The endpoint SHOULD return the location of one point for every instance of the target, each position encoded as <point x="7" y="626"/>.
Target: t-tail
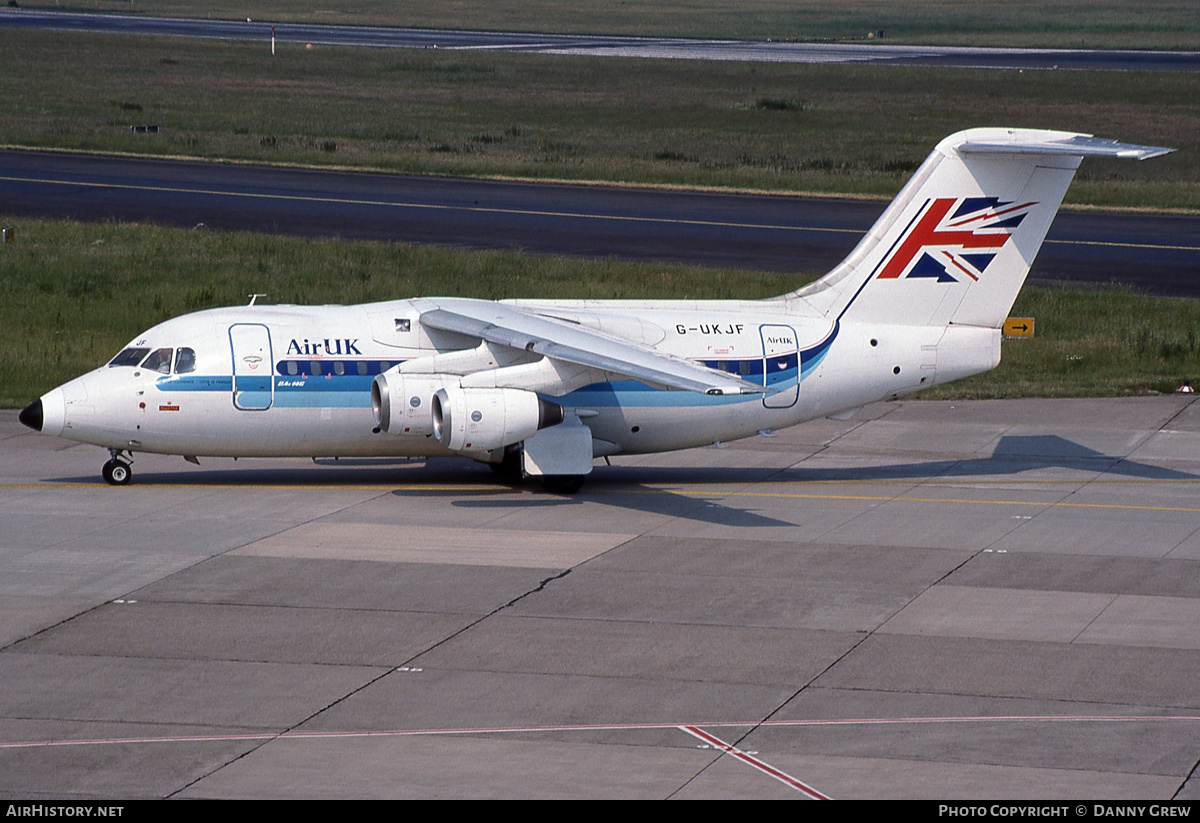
<point x="955" y="245"/>
<point x="951" y="252"/>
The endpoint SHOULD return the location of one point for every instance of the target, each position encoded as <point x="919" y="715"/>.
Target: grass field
<point x="1153" y="24"/>
<point x="74" y="294"/>
<point x="847" y="129"/>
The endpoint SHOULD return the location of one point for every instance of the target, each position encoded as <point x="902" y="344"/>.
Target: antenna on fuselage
<point x="255" y="296"/>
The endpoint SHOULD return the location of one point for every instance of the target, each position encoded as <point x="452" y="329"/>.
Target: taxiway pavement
<point x="663" y="48"/>
<point x="993" y="599"/>
<point x="1159" y="254"/>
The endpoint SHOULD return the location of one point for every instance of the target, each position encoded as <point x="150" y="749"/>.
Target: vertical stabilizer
<point x="956" y="244"/>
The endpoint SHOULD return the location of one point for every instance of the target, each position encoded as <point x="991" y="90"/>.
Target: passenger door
<point x="253" y="366"/>
<point x="781" y="366"/>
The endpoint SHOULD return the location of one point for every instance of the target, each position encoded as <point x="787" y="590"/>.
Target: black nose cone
<point x="31" y="415"/>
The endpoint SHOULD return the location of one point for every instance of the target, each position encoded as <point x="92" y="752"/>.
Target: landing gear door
<point x="781" y="366"/>
<point x="253" y="379"/>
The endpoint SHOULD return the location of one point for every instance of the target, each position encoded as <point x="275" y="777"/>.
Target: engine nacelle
<point x="480" y="420"/>
<point x="403" y="403"/>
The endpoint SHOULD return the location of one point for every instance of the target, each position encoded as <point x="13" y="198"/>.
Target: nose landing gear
<point x="116" y="471"/>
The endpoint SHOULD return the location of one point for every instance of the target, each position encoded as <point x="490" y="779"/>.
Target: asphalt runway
<point x="947" y="600"/>
<point x="1155" y="253"/>
<point x="611" y="46"/>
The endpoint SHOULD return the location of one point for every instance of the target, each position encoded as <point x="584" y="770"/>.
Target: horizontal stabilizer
<point x="1079" y="145"/>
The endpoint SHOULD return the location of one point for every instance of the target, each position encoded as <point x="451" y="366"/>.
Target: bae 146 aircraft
<point x="542" y="388"/>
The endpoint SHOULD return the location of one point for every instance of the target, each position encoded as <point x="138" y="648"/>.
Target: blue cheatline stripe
<point x="323" y="384"/>
<point x="354" y="390"/>
<point x="254" y="384"/>
<point x="330" y="391"/>
<point x="631" y="393"/>
<point x="811" y="358"/>
<point x="751" y="370"/>
<point x="325" y="391"/>
<point x="323" y="400"/>
<point x="195" y="382"/>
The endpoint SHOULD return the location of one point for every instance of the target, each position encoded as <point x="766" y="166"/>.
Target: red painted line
<point x="894" y="721"/>
<point x="959" y="266"/>
<point x="993" y="215"/>
<point x="764" y="767"/>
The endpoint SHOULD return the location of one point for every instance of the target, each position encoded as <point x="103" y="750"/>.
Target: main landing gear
<point x="509" y="470"/>
<point x="562" y="483"/>
<point x="116" y="471"/>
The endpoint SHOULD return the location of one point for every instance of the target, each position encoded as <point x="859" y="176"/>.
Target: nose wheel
<point x="117" y="472"/>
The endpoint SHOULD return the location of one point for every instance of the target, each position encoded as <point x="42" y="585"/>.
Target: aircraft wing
<point x="560" y="340"/>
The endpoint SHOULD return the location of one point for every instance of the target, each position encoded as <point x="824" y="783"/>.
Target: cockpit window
<point x="129" y="357"/>
<point x="185" y="360"/>
<point x="159" y="361"/>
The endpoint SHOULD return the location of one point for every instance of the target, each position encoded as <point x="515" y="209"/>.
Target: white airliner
<point x="542" y="388"/>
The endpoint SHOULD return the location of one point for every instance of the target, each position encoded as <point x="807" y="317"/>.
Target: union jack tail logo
<point x="954" y="238"/>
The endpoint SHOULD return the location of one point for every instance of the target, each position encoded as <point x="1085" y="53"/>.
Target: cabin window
<point x="384" y="366"/>
<point x="129" y="357"/>
<point x="339" y="367"/>
<point x="361" y="366"/>
<point x="159" y="361"/>
<point x="315" y="366"/>
<point x="185" y="360"/>
<point x="292" y="367"/>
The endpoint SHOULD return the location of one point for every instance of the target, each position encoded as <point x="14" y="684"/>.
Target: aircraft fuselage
<point x="296" y="381"/>
<point x="544" y="387"/>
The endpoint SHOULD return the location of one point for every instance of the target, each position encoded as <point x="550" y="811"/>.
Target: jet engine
<point x="480" y="420"/>
<point x="468" y="420"/>
<point x="402" y="403"/>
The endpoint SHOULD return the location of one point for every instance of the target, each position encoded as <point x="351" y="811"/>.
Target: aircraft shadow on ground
<point x="1013" y="455"/>
<point x="621" y="492"/>
<point x="640" y="488"/>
